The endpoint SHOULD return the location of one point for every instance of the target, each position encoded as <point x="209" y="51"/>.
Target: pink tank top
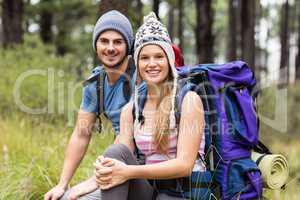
<point x="145" y="144"/>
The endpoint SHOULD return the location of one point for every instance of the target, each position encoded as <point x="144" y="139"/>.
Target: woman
<point x="171" y="150"/>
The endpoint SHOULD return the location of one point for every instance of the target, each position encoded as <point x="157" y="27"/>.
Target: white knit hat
<point x="154" y="32"/>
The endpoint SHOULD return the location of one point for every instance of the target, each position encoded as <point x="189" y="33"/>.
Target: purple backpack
<point x="228" y="93"/>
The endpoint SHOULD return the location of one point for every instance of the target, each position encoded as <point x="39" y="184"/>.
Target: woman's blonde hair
<point x="162" y="125"/>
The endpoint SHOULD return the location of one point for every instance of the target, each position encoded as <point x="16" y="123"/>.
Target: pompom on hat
<point x="152" y="31"/>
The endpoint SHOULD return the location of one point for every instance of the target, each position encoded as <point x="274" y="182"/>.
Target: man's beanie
<point x="114" y="20"/>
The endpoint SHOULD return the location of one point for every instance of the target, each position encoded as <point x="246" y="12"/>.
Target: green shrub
<point x="32" y="77"/>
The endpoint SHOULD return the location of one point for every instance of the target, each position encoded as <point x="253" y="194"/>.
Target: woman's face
<point x="153" y="64"/>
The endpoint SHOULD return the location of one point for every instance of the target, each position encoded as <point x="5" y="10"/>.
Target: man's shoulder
<point x="95" y="72"/>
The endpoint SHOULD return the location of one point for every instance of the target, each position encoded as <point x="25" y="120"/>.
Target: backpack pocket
<point x="241" y="114"/>
<point x="202" y="186"/>
<point x="243" y="180"/>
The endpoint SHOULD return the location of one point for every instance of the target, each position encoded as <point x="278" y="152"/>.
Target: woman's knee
<point x="117" y="151"/>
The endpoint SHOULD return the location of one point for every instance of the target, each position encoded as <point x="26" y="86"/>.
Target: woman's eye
<point x="144" y="58"/>
<point x="159" y="56"/>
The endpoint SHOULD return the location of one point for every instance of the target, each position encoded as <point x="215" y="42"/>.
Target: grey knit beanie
<point x="114" y="20"/>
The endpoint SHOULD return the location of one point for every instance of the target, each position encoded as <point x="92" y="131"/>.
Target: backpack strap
<point x="182" y="91"/>
<point x="261" y="148"/>
<point x="90" y="80"/>
<point x="100" y="98"/>
<point x="141" y="104"/>
<point x="99" y="78"/>
<point x="127" y="90"/>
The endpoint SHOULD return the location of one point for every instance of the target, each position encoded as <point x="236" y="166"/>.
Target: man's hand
<point x="55" y="193"/>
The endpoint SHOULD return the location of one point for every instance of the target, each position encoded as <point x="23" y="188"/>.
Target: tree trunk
<point x="156" y="7"/>
<point x="297" y="67"/>
<point x="284" y="40"/>
<point x="203" y="31"/>
<point x="181" y="24"/>
<point x="171" y="22"/>
<point x="232" y="30"/>
<point x="46" y="21"/>
<point x="247" y="32"/>
<point x="1" y="33"/>
<point x="12" y="19"/>
<point x="61" y="46"/>
<point x="139" y="12"/>
<point x="26" y="22"/>
<point x="107" y="5"/>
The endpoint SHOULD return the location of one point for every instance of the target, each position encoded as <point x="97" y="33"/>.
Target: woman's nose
<point x="152" y="61"/>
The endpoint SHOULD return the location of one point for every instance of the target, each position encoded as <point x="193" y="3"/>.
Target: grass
<point x="32" y="156"/>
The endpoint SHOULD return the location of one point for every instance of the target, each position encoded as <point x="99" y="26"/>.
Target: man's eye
<point x="118" y="42"/>
<point x="104" y="41"/>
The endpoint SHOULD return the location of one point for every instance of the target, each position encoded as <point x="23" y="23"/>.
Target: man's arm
<point x="74" y="153"/>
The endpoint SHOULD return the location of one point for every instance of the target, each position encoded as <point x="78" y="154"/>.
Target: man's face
<point x="111" y="48"/>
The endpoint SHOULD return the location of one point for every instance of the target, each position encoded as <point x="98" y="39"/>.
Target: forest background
<point x="46" y="53"/>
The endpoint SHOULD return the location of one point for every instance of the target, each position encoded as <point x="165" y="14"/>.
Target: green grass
<point x="32" y="156"/>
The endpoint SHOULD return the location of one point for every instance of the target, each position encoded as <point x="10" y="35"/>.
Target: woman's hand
<point x="110" y="172"/>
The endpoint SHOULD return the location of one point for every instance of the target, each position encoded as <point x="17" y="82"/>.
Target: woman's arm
<point x="190" y="134"/>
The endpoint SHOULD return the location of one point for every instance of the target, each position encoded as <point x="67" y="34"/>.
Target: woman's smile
<point x="153" y="72"/>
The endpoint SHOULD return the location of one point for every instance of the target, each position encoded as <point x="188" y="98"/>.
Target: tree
<point x="298" y="46"/>
<point x="106" y="5"/>
<point x="135" y="13"/>
<point x="232" y="42"/>
<point x="284" y="40"/>
<point x="203" y="31"/>
<point x="12" y="20"/>
<point x="181" y="24"/>
<point x="171" y="20"/>
<point x="247" y="32"/>
<point x="139" y="12"/>
<point x="46" y="21"/>
<point x="156" y="7"/>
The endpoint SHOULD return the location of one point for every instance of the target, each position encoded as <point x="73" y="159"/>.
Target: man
<point x="112" y="41"/>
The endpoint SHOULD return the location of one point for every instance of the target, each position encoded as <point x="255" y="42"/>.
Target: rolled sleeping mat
<point x="274" y="169"/>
